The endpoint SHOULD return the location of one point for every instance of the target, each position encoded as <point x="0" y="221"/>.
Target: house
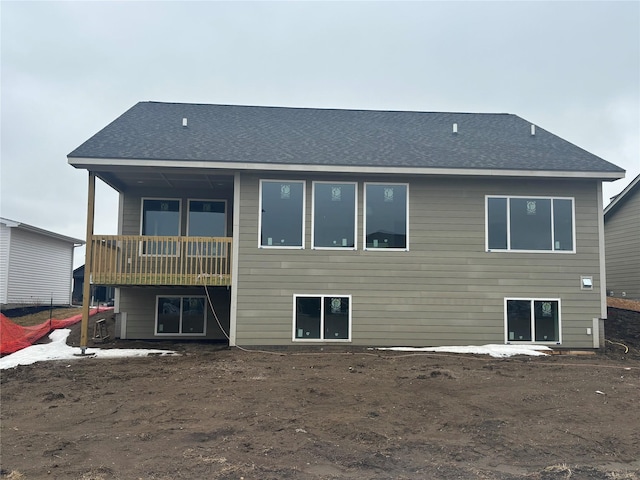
<point x="302" y="226"/>
<point x="99" y="294"/>
<point x="35" y="265"/>
<point x="622" y="242"/>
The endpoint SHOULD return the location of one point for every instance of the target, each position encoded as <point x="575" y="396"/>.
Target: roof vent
<point x="533" y="130"/>
<point x="455" y="128"/>
<point x="184" y="122"/>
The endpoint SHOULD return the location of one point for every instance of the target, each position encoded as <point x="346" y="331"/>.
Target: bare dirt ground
<point x="218" y="413"/>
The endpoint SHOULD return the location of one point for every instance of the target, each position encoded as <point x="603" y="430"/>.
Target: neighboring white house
<point x="36" y="265"/>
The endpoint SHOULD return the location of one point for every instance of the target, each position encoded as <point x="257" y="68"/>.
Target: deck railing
<point x="146" y="260"/>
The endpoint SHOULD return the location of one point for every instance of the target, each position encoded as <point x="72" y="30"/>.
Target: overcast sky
<point x="70" y="68"/>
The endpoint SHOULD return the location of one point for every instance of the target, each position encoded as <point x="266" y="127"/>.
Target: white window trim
<point x="223" y="200"/>
<point x="364" y="219"/>
<point x="304" y="213"/>
<point x="141" y="253"/>
<point x="180" y="334"/>
<point x="225" y="222"/>
<point x="509" y="249"/>
<point x="322" y="297"/>
<point x="313" y="215"/>
<point x="179" y="200"/>
<point x="532" y="325"/>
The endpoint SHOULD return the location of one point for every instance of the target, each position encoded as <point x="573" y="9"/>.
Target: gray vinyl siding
<point x="140" y="305"/>
<point x="40" y="269"/>
<point x="446" y="290"/>
<point x="622" y="244"/>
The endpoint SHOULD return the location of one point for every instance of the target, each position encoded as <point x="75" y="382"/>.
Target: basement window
<point x="532" y="320"/>
<point x="322" y="318"/>
<point x="178" y="315"/>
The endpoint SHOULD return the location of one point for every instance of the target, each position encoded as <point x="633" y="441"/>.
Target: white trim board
<point x="91" y="163"/>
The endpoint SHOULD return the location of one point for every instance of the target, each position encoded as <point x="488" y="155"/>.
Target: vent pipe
<point x="455" y="128"/>
<point x="533" y="130"/>
<point x="184" y="122"/>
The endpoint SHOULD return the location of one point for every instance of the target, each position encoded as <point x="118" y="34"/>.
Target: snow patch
<point x="59" y="350"/>
<point x="494" y="350"/>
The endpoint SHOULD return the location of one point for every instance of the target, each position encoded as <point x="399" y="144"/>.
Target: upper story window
<point x="334" y="215"/>
<point x="534" y="224"/>
<point x="282" y="213"/>
<point x="160" y="217"/>
<point x="386" y="219"/>
<point x="207" y="218"/>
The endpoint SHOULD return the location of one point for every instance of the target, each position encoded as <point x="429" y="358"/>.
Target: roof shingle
<point x="362" y="138"/>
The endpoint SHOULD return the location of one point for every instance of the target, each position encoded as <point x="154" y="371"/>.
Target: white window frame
<point x="533" y="320"/>
<point x="179" y="200"/>
<point x="364" y="219"/>
<point x="180" y="334"/>
<point x="533" y="197"/>
<point x="141" y="252"/>
<point x="313" y="215"/>
<point x="223" y="200"/>
<point x="321" y="339"/>
<point x="190" y="254"/>
<point x="304" y="213"/>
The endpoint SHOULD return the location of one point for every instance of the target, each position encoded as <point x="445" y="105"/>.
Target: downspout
<point x="86" y="287"/>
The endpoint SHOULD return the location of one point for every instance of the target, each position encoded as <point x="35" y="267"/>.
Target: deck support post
<point x="86" y="287"/>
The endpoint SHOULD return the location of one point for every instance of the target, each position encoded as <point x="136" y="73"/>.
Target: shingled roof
<point x="326" y="137"/>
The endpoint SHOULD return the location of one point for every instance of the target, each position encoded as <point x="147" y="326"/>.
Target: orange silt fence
<point x="15" y="337"/>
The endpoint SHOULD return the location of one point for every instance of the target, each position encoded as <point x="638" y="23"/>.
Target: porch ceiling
<point x="123" y="179"/>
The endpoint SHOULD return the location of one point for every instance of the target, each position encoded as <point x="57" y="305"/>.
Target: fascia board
<point x="92" y="163"/>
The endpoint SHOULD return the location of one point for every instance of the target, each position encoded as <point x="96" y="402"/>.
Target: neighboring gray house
<point x="35" y="265"/>
<point x="622" y="242"/>
<point x="99" y="294"/>
<point x="311" y="227"/>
